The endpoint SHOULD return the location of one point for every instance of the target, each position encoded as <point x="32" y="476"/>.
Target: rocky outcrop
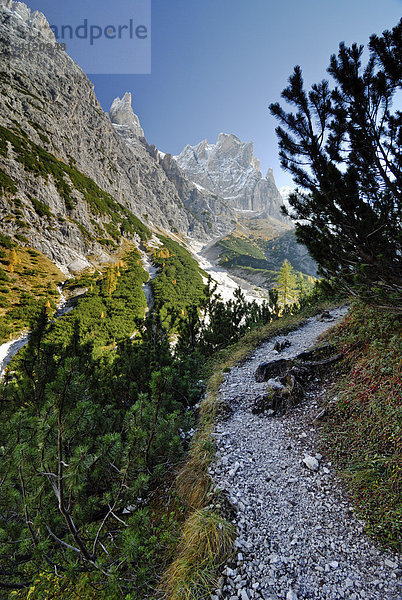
<point x="122" y="115"/>
<point x="208" y="208"/>
<point x="36" y="21"/>
<point x="230" y="169"/>
<point x="220" y="218"/>
<point x="49" y="104"/>
<point x="287" y="378"/>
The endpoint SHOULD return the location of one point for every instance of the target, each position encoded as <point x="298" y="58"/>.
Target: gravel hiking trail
<point x="297" y="535"/>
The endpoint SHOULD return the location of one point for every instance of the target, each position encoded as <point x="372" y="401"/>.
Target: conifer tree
<point x="342" y="146"/>
<point x="13" y="261"/>
<point x="110" y="281"/>
<point x="82" y="440"/>
<point x="286" y="284"/>
<point x="301" y="286"/>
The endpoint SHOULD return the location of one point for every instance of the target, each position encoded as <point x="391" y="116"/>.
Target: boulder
<point x="287" y="379"/>
<point x="280" y="346"/>
<point x="311" y="463"/>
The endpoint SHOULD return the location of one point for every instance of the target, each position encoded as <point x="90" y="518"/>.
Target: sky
<point x="216" y="65"/>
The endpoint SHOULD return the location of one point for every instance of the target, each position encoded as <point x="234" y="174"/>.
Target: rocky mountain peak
<point x="270" y="176"/>
<point x="34" y="19"/>
<point x="230" y="145"/>
<point x="121" y="113"/>
<point x="62" y="147"/>
<point x="228" y="142"/>
<point x="229" y="169"/>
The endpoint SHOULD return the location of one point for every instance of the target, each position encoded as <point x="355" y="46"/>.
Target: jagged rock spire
<point x="121" y="113"/>
<point x="229" y="169"/>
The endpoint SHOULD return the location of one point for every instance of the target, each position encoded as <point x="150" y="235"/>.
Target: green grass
<point x="205" y="545"/>
<point x="256" y="254"/>
<point x="113" y="231"/>
<point x="285" y="246"/>
<point x="7" y="184"/>
<point x="363" y="429"/>
<point x="6" y="241"/>
<point x="238" y="251"/>
<point x="240" y="245"/>
<point x="41" y="208"/>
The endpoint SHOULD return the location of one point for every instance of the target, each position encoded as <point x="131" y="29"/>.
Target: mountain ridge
<point x="43" y="111"/>
<point x="230" y="169"/>
<point x="79" y="183"/>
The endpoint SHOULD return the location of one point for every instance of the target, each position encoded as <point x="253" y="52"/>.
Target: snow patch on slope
<point x="226" y="284"/>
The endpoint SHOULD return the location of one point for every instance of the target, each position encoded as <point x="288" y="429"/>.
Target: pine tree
<point x="301" y="286"/>
<point x="342" y="146"/>
<point x="80" y="440"/>
<point x="286" y="284"/>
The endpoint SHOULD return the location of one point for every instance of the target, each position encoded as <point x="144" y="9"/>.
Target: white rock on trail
<point x="311" y="463"/>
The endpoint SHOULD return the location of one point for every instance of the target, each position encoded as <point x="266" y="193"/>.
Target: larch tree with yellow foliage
<point x="13" y="261"/>
<point x="286" y="284"/>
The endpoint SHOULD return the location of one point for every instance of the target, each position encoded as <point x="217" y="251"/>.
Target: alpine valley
<point x="152" y="438"/>
<point x="80" y="186"/>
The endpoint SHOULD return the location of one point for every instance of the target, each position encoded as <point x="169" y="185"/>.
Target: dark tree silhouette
<point x="342" y="146"/>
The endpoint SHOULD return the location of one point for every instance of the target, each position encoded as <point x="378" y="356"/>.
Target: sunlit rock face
<point x="230" y="169"/>
<point x="121" y="114"/>
<point x="48" y="101"/>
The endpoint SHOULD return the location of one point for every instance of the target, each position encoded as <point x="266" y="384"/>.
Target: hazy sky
<point x="217" y="64"/>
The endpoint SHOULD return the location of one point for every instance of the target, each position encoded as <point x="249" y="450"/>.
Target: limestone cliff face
<point x="122" y="115"/>
<point x="219" y="217"/>
<point x="230" y="169"/>
<point x="54" y="132"/>
<point x="208" y="208"/>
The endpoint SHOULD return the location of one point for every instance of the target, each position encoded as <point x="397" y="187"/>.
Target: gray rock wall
<point x="48" y="98"/>
<point x="230" y="169"/>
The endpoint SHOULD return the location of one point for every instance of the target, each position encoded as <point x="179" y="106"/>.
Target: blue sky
<point x="217" y="64"/>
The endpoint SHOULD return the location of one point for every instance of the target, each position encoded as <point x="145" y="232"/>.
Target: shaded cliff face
<point x="69" y="180"/>
<point x="211" y="209"/>
<point x="230" y="169"/>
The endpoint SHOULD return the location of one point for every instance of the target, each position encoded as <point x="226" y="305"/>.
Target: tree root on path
<point x="287" y="379"/>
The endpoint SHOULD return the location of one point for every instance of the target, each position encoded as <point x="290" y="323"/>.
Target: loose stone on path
<point x="297" y="537"/>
